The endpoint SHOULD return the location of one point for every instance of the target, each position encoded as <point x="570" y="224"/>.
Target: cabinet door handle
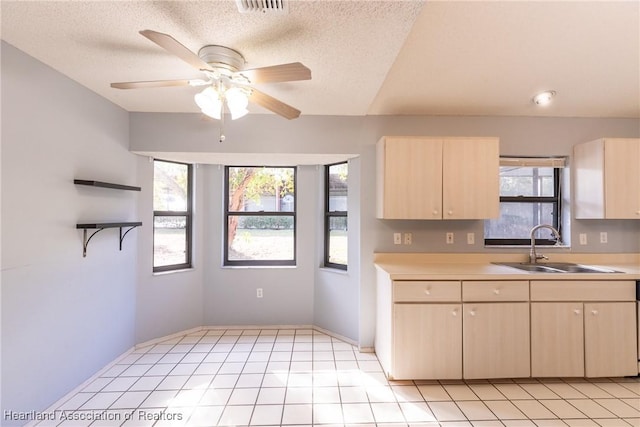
<point x="594" y="312"/>
<point x="427" y="291"/>
<point x="576" y="311"/>
<point x="472" y="313"/>
<point x="435" y="212"/>
<point x="450" y="213"/>
<point x="496" y="291"/>
<point x="454" y="312"/>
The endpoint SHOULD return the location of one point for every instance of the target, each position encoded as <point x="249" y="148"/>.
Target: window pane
<point x="261" y="238"/>
<point x="169" y="240"/>
<point x="523" y="181"/>
<point x="170" y="186"/>
<point x="517" y="219"/>
<point x="261" y="189"/>
<point x="338" y="240"/>
<point x="338" y="187"/>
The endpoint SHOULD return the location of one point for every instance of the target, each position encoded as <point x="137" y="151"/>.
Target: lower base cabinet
<point x="496" y="340"/>
<point x="428" y="341"/>
<point x="557" y="339"/>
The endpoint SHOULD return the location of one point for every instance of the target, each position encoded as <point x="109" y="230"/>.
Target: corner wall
<point x="64" y="317"/>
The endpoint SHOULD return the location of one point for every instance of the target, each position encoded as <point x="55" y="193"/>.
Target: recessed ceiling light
<point x="544" y="98"/>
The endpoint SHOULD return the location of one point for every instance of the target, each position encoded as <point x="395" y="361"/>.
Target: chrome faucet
<point x="533" y="256"/>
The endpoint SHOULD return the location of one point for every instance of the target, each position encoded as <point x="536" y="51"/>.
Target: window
<point x="260" y="216"/>
<point x="530" y="194"/>
<point x="335" y="219"/>
<point x="172" y="184"/>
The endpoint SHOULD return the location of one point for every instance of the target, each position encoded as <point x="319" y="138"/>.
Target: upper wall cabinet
<point x="437" y="178"/>
<point x="607" y="179"/>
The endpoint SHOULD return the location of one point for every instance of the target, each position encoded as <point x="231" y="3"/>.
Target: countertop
<point x="414" y="266"/>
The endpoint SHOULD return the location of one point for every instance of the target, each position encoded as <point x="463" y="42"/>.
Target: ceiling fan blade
<point x="272" y="104"/>
<point x="154" y="83"/>
<point x="278" y="73"/>
<point x="174" y="46"/>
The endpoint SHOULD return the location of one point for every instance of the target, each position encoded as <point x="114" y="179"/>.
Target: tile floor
<point x="304" y="377"/>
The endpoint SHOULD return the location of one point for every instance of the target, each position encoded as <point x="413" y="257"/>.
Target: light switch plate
<point x="449" y="238"/>
<point x="603" y="237"/>
<point x="408" y="238"/>
<point x="397" y="238"/>
<point x="583" y="238"/>
<point x="471" y="238"/>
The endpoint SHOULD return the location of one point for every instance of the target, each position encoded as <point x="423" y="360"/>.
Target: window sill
<point x="258" y="267"/>
<point x="561" y="247"/>
<point x="179" y="270"/>
<point x="334" y="270"/>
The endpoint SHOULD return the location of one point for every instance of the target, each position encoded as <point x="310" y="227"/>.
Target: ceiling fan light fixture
<point x="544" y="98"/>
<point x="209" y="102"/>
<point x="237" y="102"/>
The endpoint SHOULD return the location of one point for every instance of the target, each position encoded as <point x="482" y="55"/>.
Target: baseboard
<point x="155" y="341"/>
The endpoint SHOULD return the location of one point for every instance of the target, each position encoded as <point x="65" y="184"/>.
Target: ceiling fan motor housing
<point x="222" y="57"/>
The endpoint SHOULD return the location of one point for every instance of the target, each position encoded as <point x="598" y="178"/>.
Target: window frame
<point x="555" y="200"/>
<point x="327" y="219"/>
<point x="188" y="214"/>
<point x="259" y="263"/>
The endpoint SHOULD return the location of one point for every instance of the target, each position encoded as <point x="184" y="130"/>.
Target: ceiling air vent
<point x="263" y="6"/>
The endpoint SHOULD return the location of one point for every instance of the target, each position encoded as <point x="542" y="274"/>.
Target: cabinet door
<point x="622" y="178"/>
<point x="610" y="339"/>
<point x="427" y="341"/>
<point x="557" y="339"/>
<point x="496" y="340"/>
<point x="409" y="178"/>
<point x="470" y="176"/>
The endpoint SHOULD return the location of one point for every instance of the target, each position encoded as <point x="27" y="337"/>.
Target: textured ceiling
<point x="366" y="57"/>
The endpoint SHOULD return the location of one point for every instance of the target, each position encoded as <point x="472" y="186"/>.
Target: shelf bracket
<point x="85" y="241"/>
<point x="125" y="233"/>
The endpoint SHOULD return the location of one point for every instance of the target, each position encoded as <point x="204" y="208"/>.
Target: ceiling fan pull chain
<point x="222" y="137"/>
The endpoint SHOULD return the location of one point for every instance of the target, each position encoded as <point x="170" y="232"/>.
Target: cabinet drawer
<point x="495" y="291"/>
<point x="426" y="291"/>
<point x="583" y="290"/>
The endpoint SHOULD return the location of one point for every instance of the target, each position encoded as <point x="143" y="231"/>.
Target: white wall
<point x="167" y="302"/>
<point x="63" y="316"/>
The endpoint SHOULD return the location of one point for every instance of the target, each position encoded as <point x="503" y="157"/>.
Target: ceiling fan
<point x="225" y="80"/>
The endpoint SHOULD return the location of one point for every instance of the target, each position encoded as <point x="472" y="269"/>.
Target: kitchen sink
<point x="556" y="267"/>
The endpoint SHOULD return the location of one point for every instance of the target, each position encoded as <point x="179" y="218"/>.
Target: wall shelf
<point x="101" y="226"/>
<point x="105" y="185"/>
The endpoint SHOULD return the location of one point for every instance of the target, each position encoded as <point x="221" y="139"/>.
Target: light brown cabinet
<point x="583" y="328"/>
<point x="495" y="329"/>
<point x="427" y="341"/>
<point x="607" y="179"/>
<point x="437" y="178"/>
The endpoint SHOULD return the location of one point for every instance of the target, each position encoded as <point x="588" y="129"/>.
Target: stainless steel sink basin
<point x="556" y="267"/>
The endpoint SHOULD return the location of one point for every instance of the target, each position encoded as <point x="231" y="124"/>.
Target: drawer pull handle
<point x="427" y="292"/>
<point x="496" y="291"/>
<point x="454" y="313"/>
<point x="594" y="312"/>
<point x="472" y="313"/>
<point x="576" y="311"/>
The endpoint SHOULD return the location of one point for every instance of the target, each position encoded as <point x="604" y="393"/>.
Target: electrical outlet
<point x="407" y="238"/>
<point x="603" y="237"/>
<point x="259" y="293"/>
<point x="471" y="238"/>
<point x="449" y="238"/>
<point x="397" y="238"/>
<point x="583" y="238"/>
